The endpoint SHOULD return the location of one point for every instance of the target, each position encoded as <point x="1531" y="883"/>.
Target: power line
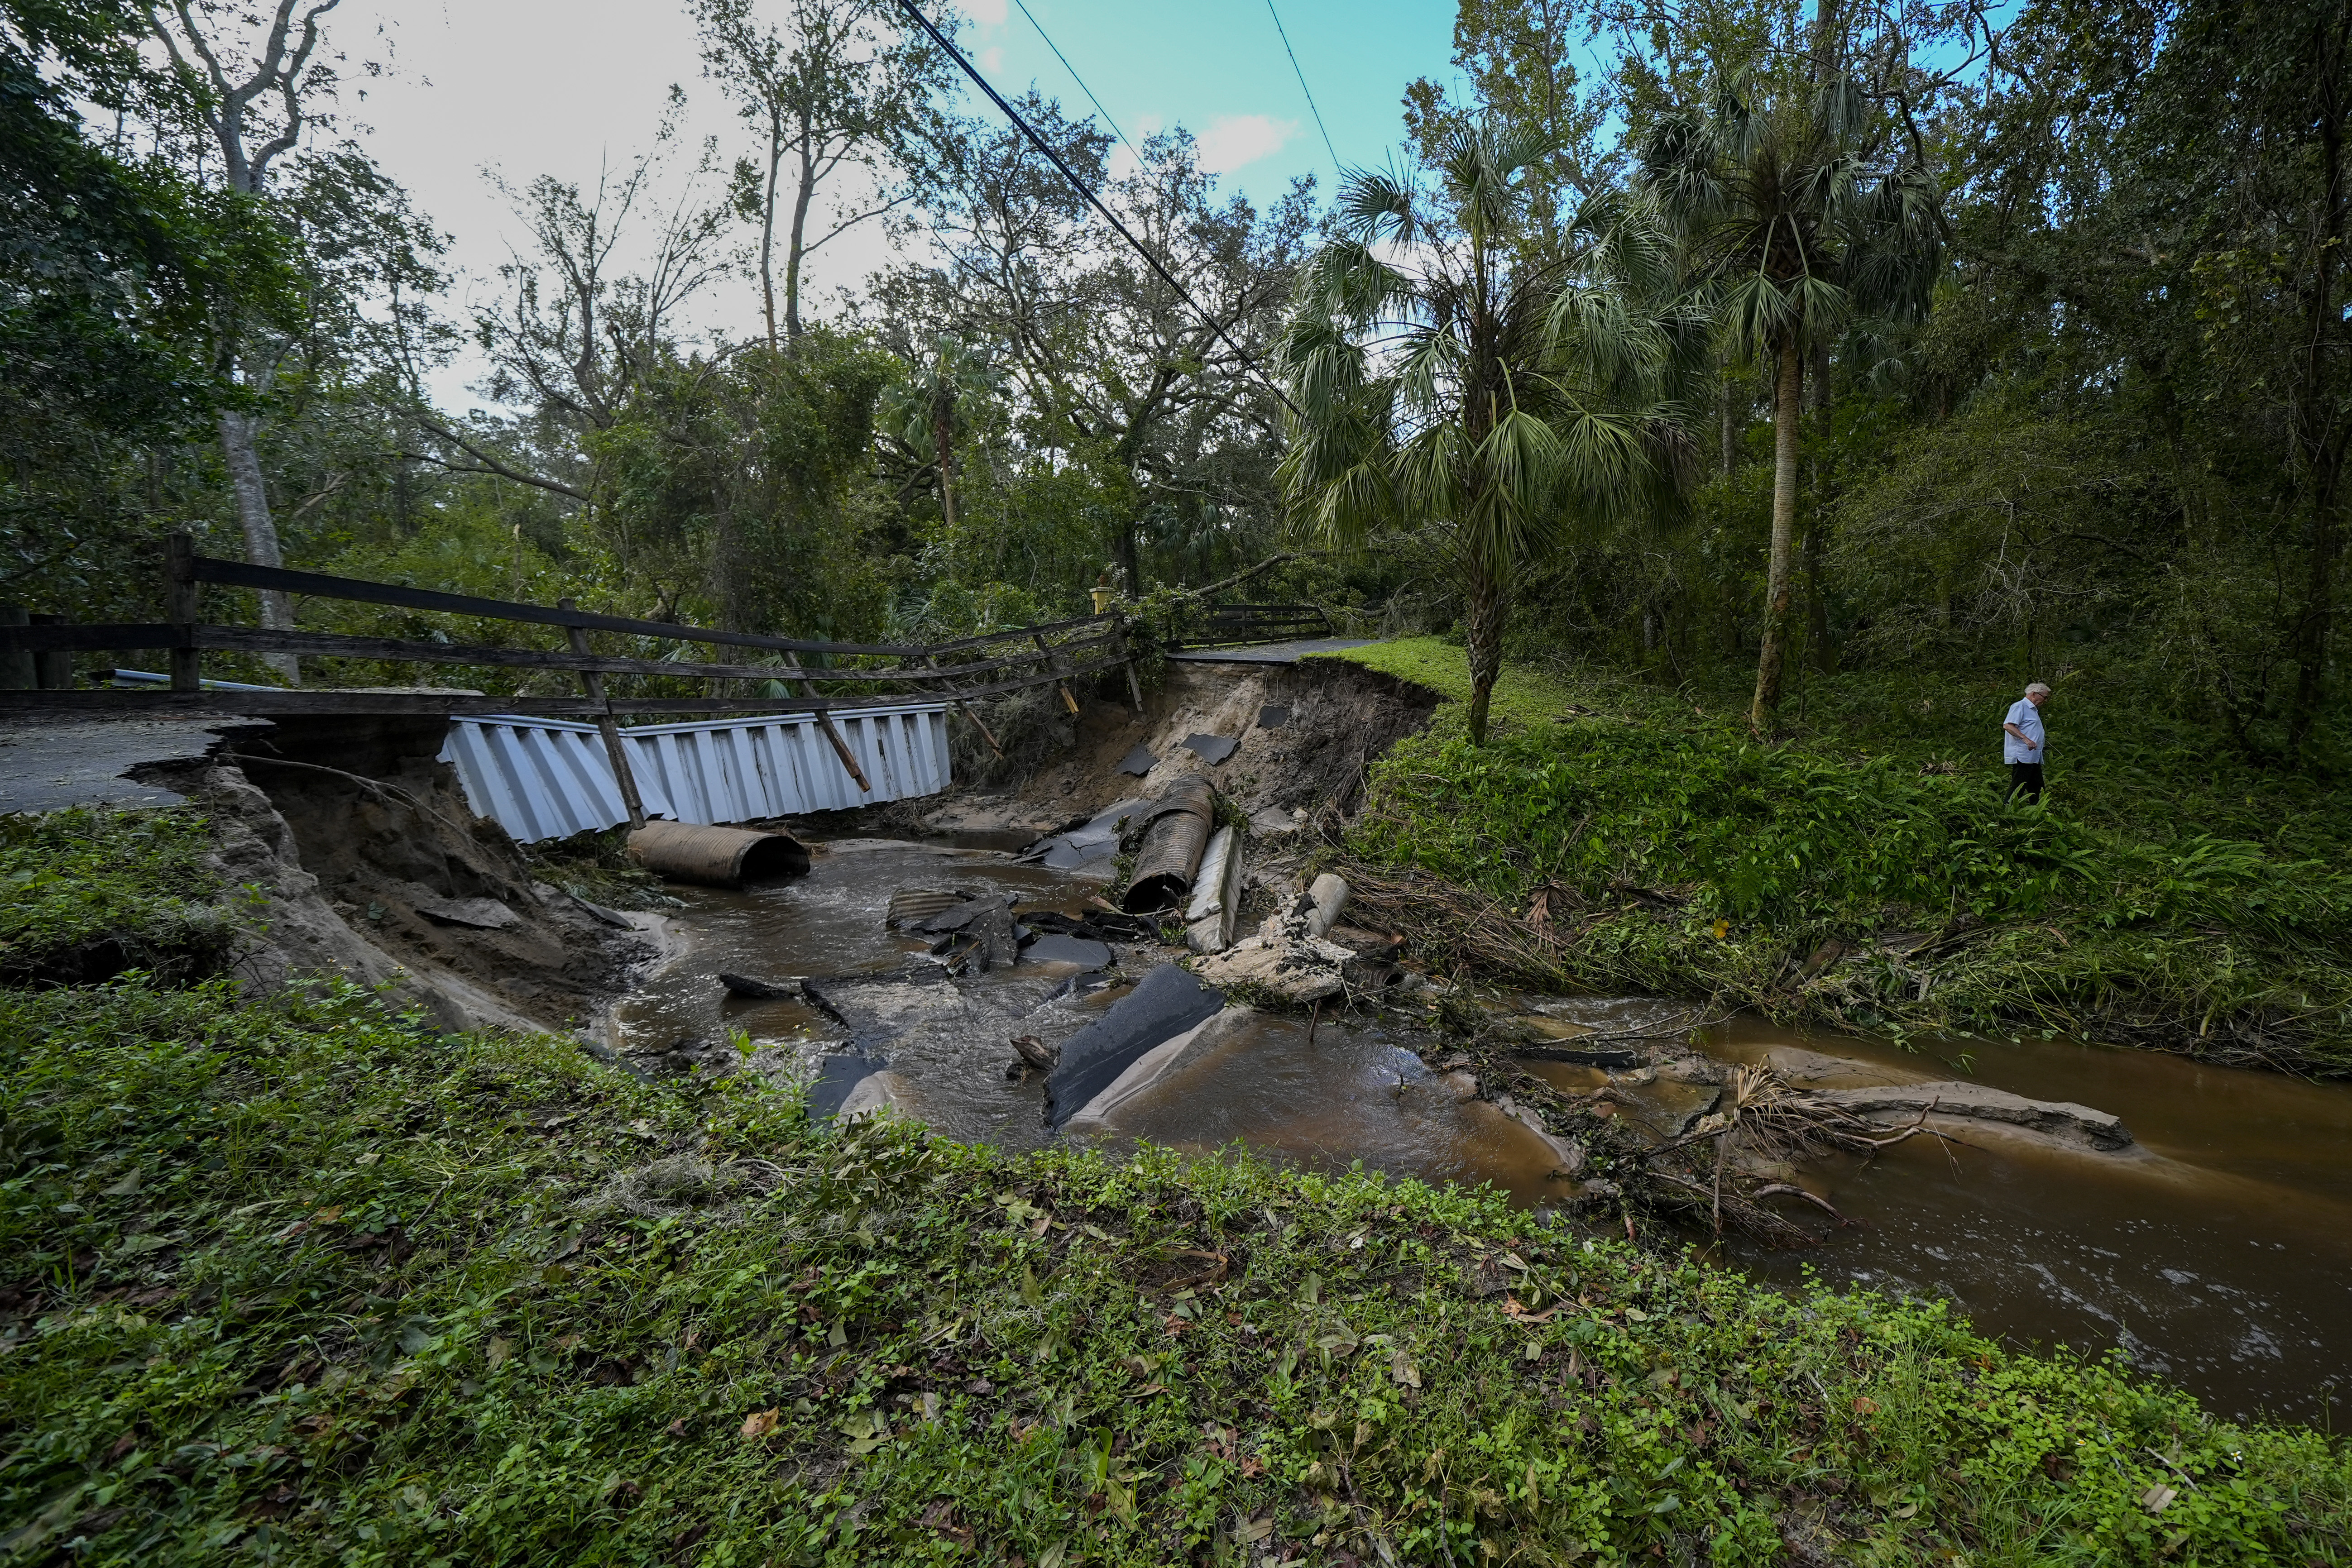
<point x="1075" y="76"/>
<point x="1301" y="75"/>
<point x="1093" y="199"/>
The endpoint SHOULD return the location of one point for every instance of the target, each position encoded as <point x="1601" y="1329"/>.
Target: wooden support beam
<point x="825" y="722"/>
<point x="1054" y="663"/>
<point x="592" y="683"/>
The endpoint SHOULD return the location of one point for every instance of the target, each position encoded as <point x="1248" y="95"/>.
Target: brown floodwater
<point x="2216" y="1252"/>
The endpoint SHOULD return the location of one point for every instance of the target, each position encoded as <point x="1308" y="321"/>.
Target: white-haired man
<point x="2023" y="743"/>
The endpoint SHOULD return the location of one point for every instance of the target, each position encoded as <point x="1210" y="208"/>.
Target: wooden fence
<point x="957" y="671"/>
<point x="1242" y="625"/>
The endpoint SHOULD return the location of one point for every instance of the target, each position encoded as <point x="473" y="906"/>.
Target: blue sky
<point x="1218" y="68"/>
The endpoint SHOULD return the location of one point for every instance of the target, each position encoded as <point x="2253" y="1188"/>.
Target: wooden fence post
<point x="182" y="605"/>
<point x="825" y="722"/>
<point x="593" y="683"/>
<point x="1054" y="666"/>
<point x="965" y="708"/>
<point x="1127" y="662"/>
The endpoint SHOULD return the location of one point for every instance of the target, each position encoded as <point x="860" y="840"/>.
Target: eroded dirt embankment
<point x="1305" y="733"/>
<point x="368" y="865"/>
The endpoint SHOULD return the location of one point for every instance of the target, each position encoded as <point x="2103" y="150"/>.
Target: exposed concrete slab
<point x="52" y="761"/>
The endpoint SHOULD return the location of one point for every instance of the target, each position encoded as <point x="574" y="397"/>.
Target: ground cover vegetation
<point x="1612" y="836"/>
<point x="290" y="1278"/>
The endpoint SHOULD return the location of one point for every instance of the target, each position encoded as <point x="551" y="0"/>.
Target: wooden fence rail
<point x="1058" y="654"/>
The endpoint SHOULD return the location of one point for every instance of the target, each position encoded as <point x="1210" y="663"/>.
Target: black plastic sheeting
<point x="1058" y="950"/>
<point x="1210" y="748"/>
<point x="1082" y="842"/>
<point x="836" y="1077"/>
<point x="1138" y="761"/>
<point x="1167" y="1002"/>
<point x="1176" y="830"/>
<point x="1095" y="925"/>
<point x="1273" y="717"/>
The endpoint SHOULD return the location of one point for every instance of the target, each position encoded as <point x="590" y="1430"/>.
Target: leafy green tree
<point x="841" y="89"/>
<point x="1799" y="215"/>
<point x="1452" y="376"/>
<point x="741" y="489"/>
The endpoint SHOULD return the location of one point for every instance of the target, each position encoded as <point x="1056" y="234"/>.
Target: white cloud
<point x="987" y="13"/>
<point x="991" y="61"/>
<point x="1235" y="140"/>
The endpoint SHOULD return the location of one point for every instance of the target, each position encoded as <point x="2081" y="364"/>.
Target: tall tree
<point x="1492" y="390"/>
<point x="837" y="90"/>
<point x="1104" y="363"/>
<point x="1799" y="214"/>
<point x="924" y="413"/>
<point x="255" y="100"/>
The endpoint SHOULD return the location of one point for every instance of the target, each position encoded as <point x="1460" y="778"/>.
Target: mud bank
<point x="368" y="866"/>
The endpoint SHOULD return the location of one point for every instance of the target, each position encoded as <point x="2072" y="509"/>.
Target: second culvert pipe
<point x="1176" y="830"/>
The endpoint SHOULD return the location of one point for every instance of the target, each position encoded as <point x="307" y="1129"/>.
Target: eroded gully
<point x="2216" y="1251"/>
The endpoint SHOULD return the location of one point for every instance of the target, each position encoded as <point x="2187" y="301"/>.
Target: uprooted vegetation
<point x="1623" y="841"/>
<point x="295" y="1279"/>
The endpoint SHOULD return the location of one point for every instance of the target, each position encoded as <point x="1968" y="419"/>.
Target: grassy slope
<point x="291" y="1280"/>
<point x="2099" y="915"/>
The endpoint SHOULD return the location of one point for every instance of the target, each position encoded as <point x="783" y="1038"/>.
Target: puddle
<point x="2217" y="1251"/>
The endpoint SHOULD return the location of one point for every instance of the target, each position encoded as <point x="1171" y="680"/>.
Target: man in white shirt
<point x="2023" y="743"/>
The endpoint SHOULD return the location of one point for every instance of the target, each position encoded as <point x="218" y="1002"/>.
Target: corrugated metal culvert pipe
<point x="716" y="857"/>
<point x="1176" y="830"/>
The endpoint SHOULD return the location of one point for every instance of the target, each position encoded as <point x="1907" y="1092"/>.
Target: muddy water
<point x="2216" y="1252"/>
<point x="1348" y="1095"/>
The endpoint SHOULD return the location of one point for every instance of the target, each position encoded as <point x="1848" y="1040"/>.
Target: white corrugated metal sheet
<point x="545" y="778"/>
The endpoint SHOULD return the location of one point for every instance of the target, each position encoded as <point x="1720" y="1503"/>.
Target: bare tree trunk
<point x="768" y="231"/>
<point x="1730" y="423"/>
<point x="2319" y="432"/>
<point x="796" y="246"/>
<point x="1817" y="522"/>
<point x="1489" y="603"/>
<point x="944" y="443"/>
<point x="1787" y="411"/>
<point x="236" y="439"/>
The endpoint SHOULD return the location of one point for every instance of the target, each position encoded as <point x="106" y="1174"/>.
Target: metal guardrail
<point x="1055" y="654"/>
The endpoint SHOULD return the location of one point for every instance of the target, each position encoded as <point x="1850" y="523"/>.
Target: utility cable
<point x="1075" y="76"/>
<point x="1093" y="199"/>
<point x="1281" y="33"/>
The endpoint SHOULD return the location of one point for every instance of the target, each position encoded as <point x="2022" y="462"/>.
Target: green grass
<point x="94" y="891"/>
<point x="292" y="1281"/>
<point x="1676" y="854"/>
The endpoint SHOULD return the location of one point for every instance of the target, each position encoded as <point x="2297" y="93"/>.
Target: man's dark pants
<point x="2025" y="779"/>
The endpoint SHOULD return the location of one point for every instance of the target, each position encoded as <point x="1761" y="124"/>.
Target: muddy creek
<point x="2217" y="1249"/>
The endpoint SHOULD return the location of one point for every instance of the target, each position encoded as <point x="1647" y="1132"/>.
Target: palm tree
<point x="1798" y="216"/>
<point x="1453" y="371"/>
<point x="924" y="411"/>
